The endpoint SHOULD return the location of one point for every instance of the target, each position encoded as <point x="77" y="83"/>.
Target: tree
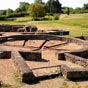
<point x="22" y="7"/>
<point x="78" y="10"/>
<point x="38" y="1"/>
<point x="67" y="10"/>
<point x="9" y="12"/>
<point x="2" y="12"/>
<point x="36" y="10"/>
<point x="53" y="6"/>
<point x="85" y="6"/>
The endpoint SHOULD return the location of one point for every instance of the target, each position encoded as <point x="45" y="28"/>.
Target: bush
<point x="3" y="17"/>
<point x="36" y="10"/>
<point x="15" y="14"/>
<point x="56" y="17"/>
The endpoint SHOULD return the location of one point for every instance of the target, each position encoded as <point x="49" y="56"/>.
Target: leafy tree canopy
<point x="38" y="1"/>
<point x="36" y="10"/>
<point x="22" y="7"/>
<point x="85" y="6"/>
<point x="53" y="6"/>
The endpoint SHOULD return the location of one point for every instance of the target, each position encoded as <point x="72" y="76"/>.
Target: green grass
<point x="8" y="86"/>
<point x="80" y="20"/>
<point x="75" y="23"/>
<point x="23" y="19"/>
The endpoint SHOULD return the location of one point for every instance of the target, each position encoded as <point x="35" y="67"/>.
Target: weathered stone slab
<point x="22" y="67"/>
<point x="81" y="53"/>
<point x="44" y="37"/>
<point x="76" y="59"/>
<point x="9" y="28"/>
<point x="74" y="73"/>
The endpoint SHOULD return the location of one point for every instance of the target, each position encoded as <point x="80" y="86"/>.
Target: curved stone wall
<point x="41" y="37"/>
<point x="9" y="28"/>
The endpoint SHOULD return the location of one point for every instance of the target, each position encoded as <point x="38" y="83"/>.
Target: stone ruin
<point x="18" y="28"/>
<point x="78" y="57"/>
<point x="29" y="29"/>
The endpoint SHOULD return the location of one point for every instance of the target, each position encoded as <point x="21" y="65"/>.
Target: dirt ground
<point x="10" y="76"/>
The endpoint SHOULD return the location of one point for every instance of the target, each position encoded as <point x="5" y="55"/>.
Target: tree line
<point x="40" y="9"/>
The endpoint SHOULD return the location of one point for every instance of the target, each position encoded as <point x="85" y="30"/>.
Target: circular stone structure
<point x="34" y="42"/>
<point x="35" y="55"/>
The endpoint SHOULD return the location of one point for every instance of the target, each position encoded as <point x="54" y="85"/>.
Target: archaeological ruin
<point x="37" y="55"/>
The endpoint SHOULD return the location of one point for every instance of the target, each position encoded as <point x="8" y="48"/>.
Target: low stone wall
<point x="81" y="53"/>
<point x="83" y="37"/>
<point x="10" y="28"/>
<point x="59" y="32"/>
<point x="23" y="68"/>
<point x="74" y="73"/>
<point x="17" y="28"/>
<point x="44" y="37"/>
<point x="3" y="39"/>
<point x="77" y="41"/>
<point x="5" y="54"/>
<point x="33" y="56"/>
<point x="76" y="59"/>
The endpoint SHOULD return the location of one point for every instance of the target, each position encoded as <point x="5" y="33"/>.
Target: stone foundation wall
<point x="23" y="68"/>
<point x="83" y="37"/>
<point x="81" y="53"/>
<point x="10" y="28"/>
<point x="76" y="59"/>
<point x="74" y="73"/>
<point x="59" y="32"/>
<point x="45" y="37"/>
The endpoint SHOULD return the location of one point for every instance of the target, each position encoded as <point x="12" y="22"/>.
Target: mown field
<point x="77" y="24"/>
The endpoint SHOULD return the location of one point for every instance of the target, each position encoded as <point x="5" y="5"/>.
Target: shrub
<point x="3" y="17"/>
<point x="56" y="17"/>
<point x="36" y="10"/>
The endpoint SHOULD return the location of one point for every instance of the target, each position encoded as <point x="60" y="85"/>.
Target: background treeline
<point x="40" y="9"/>
<point x="84" y="9"/>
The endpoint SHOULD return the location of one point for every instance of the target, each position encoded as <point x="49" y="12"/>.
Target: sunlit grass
<point x="75" y="23"/>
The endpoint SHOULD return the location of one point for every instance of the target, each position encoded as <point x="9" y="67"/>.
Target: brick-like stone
<point x="22" y="67"/>
<point x="74" y="73"/>
<point x="76" y="59"/>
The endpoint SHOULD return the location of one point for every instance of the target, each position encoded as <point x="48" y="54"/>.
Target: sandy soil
<point x="49" y="59"/>
<point x="7" y="70"/>
<point x="35" y="44"/>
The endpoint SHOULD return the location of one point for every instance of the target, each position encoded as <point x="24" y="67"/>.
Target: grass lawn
<point x="75" y="23"/>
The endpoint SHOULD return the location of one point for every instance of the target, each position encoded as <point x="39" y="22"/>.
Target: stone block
<point x="74" y="73"/>
<point x="76" y="59"/>
<point x="23" y="68"/>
